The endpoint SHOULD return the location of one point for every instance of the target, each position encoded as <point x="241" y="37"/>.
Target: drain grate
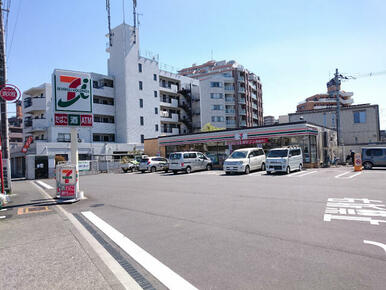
<point x="138" y="277"/>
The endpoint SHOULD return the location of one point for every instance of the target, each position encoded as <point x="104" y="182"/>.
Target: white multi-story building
<point x="231" y="96"/>
<point x="151" y="102"/>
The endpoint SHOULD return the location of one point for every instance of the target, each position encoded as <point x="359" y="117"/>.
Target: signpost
<point x="72" y="108"/>
<point x="357" y="162"/>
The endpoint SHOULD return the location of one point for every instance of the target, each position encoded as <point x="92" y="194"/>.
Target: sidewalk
<point x="40" y="248"/>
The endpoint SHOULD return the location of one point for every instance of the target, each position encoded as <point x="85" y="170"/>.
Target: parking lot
<point x="314" y="229"/>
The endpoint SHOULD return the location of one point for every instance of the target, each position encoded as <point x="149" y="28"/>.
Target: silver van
<point x="153" y="164"/>
<point x="284" y="159"/>
<point x="188" y="162"/>
<point x="245" y="160"/>
<point x="373" y="157"/>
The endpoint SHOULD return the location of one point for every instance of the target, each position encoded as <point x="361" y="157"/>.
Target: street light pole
<point x="337" y="91"/>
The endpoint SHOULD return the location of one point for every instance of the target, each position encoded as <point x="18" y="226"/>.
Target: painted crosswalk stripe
<point x="160" y="271"/>
<point x="43" y="184"/>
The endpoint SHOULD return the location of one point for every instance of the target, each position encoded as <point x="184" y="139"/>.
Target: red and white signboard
<point x="86" y="120"/>
<point x="61" y="120"/>
<point x="10" y="93"/>
<point x="67" y="191"/>
<point x="27" y="144"/>
<point x="248" y="141"/>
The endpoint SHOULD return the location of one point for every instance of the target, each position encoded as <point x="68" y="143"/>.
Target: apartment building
<point x="359" y="124"/>
<point x="15" y="127"/>
<point x="328" y="100"/>
<point x="269" y="120"/>
<point x="231" y="96"/>
<point x="50" y="141"/>
<point x="155" y="102"/>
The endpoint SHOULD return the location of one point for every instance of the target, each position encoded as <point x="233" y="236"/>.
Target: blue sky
<point x="294" y="46"/>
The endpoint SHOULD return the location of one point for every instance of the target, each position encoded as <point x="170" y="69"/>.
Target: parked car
<point x="373" y="157"/>
<point x="189" y="162"/>
<point x="285" y="159"/>
<point x="153" y="164"/>
<point x="245" y="160"/>
<point x="128" y="167"/>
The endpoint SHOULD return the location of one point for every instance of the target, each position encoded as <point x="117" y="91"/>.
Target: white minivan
<point x="245" y="160"/>
<point x="189" y="162"/>
<point x="285" y="159"/>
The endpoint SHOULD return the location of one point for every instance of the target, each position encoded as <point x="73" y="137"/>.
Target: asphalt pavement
<point x="315" y="229"/>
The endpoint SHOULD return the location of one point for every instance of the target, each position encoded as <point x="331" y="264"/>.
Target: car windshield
<point x="175" y="156"/>
<point x="278" y="153"/>
<point x="238" y="154"/>
<point x="144" y="160"/>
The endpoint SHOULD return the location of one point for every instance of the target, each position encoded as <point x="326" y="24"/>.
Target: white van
<point x="189" y="161"/>
<point x="245" y="160"/>
<point x="285" y="159"/>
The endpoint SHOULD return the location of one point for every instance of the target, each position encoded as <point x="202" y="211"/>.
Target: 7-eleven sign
<point x="72" y="91"/>
<point x="67" y="176"/>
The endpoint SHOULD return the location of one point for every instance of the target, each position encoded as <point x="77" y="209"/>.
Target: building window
<point x="103" y="137"/>
<point x="64" y="137"/>
<point x="156" y="127"/>
<point x="141" y="122"/>
<point x="104" y="119"/>
<point x="215" y="84"/>
<point x="141" y="103"/>
<point x="154" y="77"/>
<point x="140" y="84"/>
<point x="216" y="95"/>
<point x="217" y="119"/>
<point x="359" y="117"/>
<point x="155" y="94"/>
<point x="142" y="138"/>
<point x="156" y="111"/>
<point x="217" y="107"/>
<point x="140" y="67"/>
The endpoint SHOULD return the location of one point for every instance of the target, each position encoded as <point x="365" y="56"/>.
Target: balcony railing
<point x="242" y="100"/>
<point x="229" y="88"/>
<point x="230" y="100"/>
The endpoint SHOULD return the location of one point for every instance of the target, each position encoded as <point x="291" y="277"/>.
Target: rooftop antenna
<point x="135" y="20"/>
<point x="123" y="11"/>
<point x="108" y="21"/>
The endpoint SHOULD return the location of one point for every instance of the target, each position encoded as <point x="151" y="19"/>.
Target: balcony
<point x="254" y="116"/>
<point x="242" y="112"/>
<point x="230" y="112"/>
<point x="107" y="128"/>
<point x="242" y="101"/>
<point x="243" y="123"/>
<point x="173" y="103"/>
<point x="165" y="88"/>
<point x="35" y="125"/>
<point x="103" y="92"/>
<point x="254" y="106"/>
<point x="170" y="131"/>
<point x="36" y="104"/>
<point x="230" y="122"/>
<point x="229" y="100"/>
<point x="241" y="90"/>
<point x="101" y="109"/>
<point x="229" y="88"/>
<point x="254" y="96"/>
<point x="166" y="117"/>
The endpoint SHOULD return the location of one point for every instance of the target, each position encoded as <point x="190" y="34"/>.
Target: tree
<point x="208" y="127"/>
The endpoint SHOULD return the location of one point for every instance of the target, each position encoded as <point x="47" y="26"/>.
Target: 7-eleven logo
<point x="77" y="88"/>
<point x="67" y="175"/>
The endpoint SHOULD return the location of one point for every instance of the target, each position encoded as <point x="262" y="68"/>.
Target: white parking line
<point x="339" y="175"/>
<point x="307" y="173"/>
<point x="356" y="174"/>
<point x="43" y="184"/>
<point x="383" y="246"/>
<point x="296" y="173"/>
<point x="160" y="271"/>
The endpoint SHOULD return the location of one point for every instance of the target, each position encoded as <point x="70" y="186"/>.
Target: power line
<point x="9" y="50"/>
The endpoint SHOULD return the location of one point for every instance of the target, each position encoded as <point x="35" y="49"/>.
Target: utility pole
<point x="3" y="108"/>
<point x="337" y="95"/>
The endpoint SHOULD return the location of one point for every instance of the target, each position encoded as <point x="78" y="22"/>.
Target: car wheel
<point x="166" y="170"/>
<point x="174" y="171"/>
<point x="188" y="170"/>
<point x="300" y="167"/>
<point x="367" y="165"/>
<point x="262" y="166"/>
<point x="209" y="167"/>
<point x="269" y="172"/>
<point x="124" y="170"/>
<point x="153" y="169"/>
<point x="142" y="171"/>
<point x="288" y="170"/>
<point x="247" y="169"/>
<point x="227" y="173"/>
